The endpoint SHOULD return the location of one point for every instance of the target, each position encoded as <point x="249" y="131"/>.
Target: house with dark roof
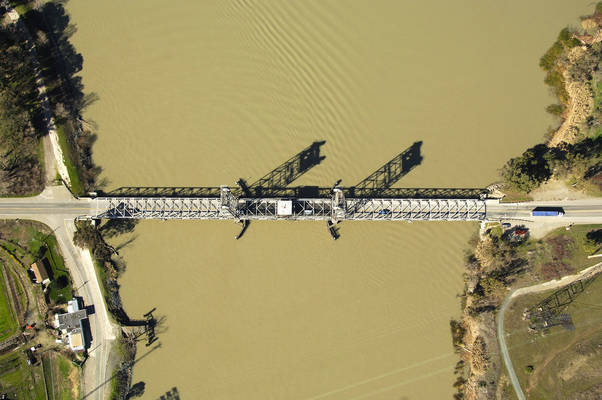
<point x="70" y="324"/>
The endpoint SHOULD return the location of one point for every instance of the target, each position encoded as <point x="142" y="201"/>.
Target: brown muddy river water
<point x="200" y="93"/>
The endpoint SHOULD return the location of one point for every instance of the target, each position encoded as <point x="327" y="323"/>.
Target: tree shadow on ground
<point x="50" y="27"/>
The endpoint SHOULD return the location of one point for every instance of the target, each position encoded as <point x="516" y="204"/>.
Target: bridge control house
<point x="70" y="324"/>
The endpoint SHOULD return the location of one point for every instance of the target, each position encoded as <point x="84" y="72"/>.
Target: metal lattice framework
<point x="335" y="208"/>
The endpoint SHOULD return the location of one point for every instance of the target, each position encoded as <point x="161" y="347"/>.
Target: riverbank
<point x="66" y="151"/>
<point x="43" y="33"/>
<point x="567" y="166"/>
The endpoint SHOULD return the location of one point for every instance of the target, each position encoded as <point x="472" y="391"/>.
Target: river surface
<point x="200" y="93"/>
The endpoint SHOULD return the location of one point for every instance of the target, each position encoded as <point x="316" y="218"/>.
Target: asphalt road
<point x="43" y="209"/>
<point x="579" y="211"/>
<point x="56" y="208"/>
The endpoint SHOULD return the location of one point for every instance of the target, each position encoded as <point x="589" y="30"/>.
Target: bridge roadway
<point x="336" y="208"/>
<point x="382" y="209"/>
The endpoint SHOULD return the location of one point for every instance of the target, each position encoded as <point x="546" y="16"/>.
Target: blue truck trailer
<point x="547" y="212"/>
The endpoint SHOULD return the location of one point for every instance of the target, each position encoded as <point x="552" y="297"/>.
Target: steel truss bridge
<point x="335" y="208"/>
<point x="270" y="198"/>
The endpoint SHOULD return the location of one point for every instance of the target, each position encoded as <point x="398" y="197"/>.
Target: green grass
<point x="8" y="322"/>
<point x="21" y="6"/>
<point x="46" y="246"/>
<point x="101" y="274"/>
<point x="597" y="89"/>
<point x="554" y="354"/>
<point x="47" y="367"/>
<point x="22" y="9"/>
<point x="65" y="368"/>
<point x="496" y="231"/>
<point x="56" y="371"/>
<point x="12" y="248"/>
<point x="19" y="380"/>
<point x="512" y="196"/>
<point x="76" y="186"/>
<point x="20" y="290"/>
<point x="40" y="155"/>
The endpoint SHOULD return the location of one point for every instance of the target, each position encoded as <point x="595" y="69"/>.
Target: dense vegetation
<point x="551" y="62"/>
<point x="20" y="118"/>
<point x="106" y="257"/>
<point x="50" y="26"/>
<point x="42" y="35"/>
<point x="579" y="163"/>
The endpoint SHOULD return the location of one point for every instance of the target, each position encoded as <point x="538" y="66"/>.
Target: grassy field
<point x="31" y="241"/>
<point x="76" y="186"/>
<point x="19" y="380"/>
<point x="13" y="249"/>
<point x="561" y="252"/>
<point x="561" y="363"/>
<point x="513" y="196"/>
<point x="60" y="377"/>
<point x="45" y="245"/>
<point x="8" y="322"/>
<point x="597" y="89"/>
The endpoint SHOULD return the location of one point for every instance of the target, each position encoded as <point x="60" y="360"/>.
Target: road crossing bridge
<point x="271" y="197"/>
<point x="337" y="207"/>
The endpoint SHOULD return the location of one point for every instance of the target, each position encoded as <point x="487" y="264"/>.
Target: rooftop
<point x="72" y="320"/>
<point x="70" y="323"/>
<point x="40" y="271"/>
<point x="76" y="341"/>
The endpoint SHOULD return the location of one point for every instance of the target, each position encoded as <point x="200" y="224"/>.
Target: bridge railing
<point x="303" y="192"/>
<point x="301" y="209"/>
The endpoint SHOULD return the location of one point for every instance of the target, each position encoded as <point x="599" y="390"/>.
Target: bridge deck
<point x="301" y="209"/>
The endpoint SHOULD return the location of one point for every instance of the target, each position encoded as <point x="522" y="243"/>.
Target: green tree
<point x="491" y="286"/>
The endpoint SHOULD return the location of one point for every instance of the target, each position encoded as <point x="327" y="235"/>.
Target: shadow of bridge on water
<point x="276" y="183"/>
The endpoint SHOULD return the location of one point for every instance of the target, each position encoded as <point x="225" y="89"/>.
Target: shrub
<point x="555" y="109"/>
<point x="491" y="285"/>
<point x="537" y="164"/>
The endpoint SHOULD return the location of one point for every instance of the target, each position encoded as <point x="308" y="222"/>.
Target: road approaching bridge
<point x="335" y="208"/>
<point x="587" y="211"/>
<point x="58" y="209"/>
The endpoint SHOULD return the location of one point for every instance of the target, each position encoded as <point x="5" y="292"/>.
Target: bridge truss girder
<point x="385" y="209"/>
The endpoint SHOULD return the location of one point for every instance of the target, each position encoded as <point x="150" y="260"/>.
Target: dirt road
<point x="532" y="289"/>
